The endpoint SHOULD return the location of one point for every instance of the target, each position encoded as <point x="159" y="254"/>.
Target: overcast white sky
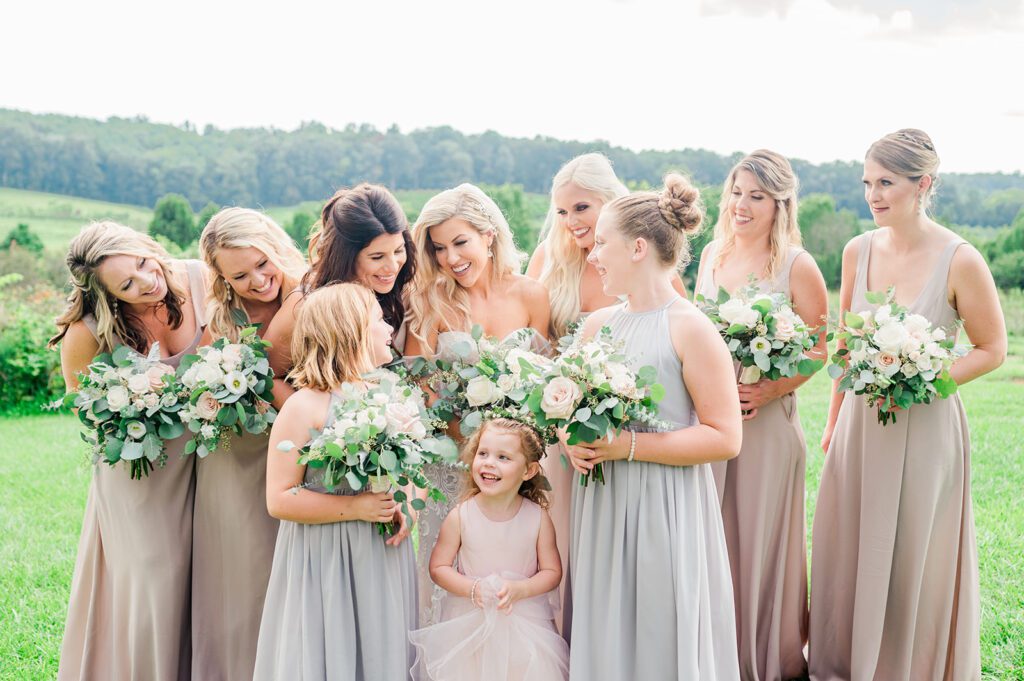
<point x="813" y="79"/>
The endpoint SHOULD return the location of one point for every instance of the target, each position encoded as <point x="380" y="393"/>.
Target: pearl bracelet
<point x="472" y="591"/>
<point x="632" y="445"/>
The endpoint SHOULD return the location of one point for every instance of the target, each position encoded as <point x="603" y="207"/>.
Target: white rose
<point x="125" y="372"/>
<point x="910" y="370"/>
<point x="138" y="403"/>
<point x="481" y="390"/>
<point x="118" y="397"/>
<point x="213" y="356"/>
<point x="156" y="375"/>
<point x="938" y="334"/>
<point x="235" y="383"/>
<point x="168" y="399"/>
<point x="404" y="417"/>
<point x="785" y="328"/>
<point x="151" y="400"/>
<point x="890" y="337"/>
<point x="622" y="381"/>
<point x="210" y="374"/>
<point x="506" y="383"/>
<point x="207" y="406"/>
<point x="916" y="323"/>
<point x="735" y="311"/>
<point x="560" y="398"/>
<point x="883" y="314"/>
<point x="231" y="354"/>
<point x="513" y="357"/>
<point x="932" y="349"/>
<point x="135" y="430"/>
<point x="139" y="383"/>
<point x="189" y="378"/>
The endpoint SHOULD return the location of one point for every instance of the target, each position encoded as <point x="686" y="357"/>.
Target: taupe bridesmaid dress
<point x="894" y="570"/>
<point x="128" y="614"/>
<point x="762" y="497"/>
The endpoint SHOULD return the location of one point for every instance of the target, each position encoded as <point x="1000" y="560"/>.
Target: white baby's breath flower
<point x="208" y="431"/>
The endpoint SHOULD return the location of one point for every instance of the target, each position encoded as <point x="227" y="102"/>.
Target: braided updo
<point x="665" y="219"/>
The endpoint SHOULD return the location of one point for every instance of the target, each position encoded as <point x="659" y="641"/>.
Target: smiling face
<point x="611" y="255"/>
<point x="577" y="210"/>
<point x="250" y="273"/>
<point x="751" y="208"/>
<point x="499" y="466"/>
<point x="380" y="262"/>
<point x="136" y="280"/>
<point x="460" y="250"/>
<point x="893" y="199"/>
<point x="380" y="336"/>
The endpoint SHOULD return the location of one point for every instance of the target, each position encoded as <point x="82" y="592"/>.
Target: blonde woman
<point x="468" y="274"/>
<point x="128" y="613"/>
<point x="579" y="191"/>
<point x="341" y="600"/>
<point x="762" y="489"/>
<point x="254" y="266"/>
<point x="894" y="575"/>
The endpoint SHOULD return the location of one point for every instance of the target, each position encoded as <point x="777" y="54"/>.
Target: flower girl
<point x="341" y="598"/>
<point x="497" y="559"/>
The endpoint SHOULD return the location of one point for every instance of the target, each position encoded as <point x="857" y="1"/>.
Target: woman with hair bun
<point x="652" y="595"/>
<point x="255" y="266"/>
<point x="128" y="613"/>
<point x="762" y="489"/>
<point x="894" y="574"/>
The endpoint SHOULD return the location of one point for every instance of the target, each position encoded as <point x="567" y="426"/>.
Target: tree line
<point x="135" y="161"/>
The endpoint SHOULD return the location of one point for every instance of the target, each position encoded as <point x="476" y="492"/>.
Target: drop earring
<point x="113" y="304"/>
<point x="490" y="253"/>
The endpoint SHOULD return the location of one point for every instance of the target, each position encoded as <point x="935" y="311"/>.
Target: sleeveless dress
<point x="652" y="596"/>
<point x="340" y="602"/>
<point x="483" y="643"/>
<point x="451" y="481"/>
<point x="762" y="497"/>
<point x="128" y="614"/>
<point x="894" y="574"/>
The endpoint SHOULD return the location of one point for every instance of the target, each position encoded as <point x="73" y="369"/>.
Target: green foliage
<point x="299" y="228"/>
<point x="512" y="202"/>
<point x="22" y="237"/>
<point x="29" y="372"/>
<point x="825" y="231"/>
<point x="208" y="211"/>
<point x="172" y="218"/>
<point x="1008" y="269"/>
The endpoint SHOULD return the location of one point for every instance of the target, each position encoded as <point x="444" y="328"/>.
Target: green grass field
<point x="44" y="479"/>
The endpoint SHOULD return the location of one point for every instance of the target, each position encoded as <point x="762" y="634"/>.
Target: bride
<point x="468" y="275"/>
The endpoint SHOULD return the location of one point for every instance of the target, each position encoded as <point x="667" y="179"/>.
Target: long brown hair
<point x="532" y="446"/>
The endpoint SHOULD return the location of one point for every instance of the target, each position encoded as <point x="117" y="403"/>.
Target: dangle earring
<point x="230" y="292"/>
<point x="490" y="252"/>
<point x="113" y="304"/>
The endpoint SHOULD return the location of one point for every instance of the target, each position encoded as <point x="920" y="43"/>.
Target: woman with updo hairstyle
<point x="128" y="613"/>
<point x="651" y="587"/>
<point x="762" y="489"/>
<point x="255" y="266"/>
<point x="468" y="274"/>
<point x="362" y="237"/>
<point x="894" y="573"/>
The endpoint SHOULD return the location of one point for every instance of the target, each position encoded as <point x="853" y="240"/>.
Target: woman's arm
<point x="279" y="335"/>
<point x="536" y="265"/>
<point x="77" y="350"/>
<point x="849" y="275"/>
<point x="538" y="306"/>
<point x="286" y="498"/>
<point x="977" y="303"/>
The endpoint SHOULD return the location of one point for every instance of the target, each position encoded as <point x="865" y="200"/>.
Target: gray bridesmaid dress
<point x="652" y="595"/>
<point x="128" y="614"/>
<point x="340" y="603"/>
<point x="762" y="497"/>
<point x="894" y="573"/>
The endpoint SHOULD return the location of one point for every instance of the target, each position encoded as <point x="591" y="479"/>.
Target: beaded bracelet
<point x="472" y="591"/>
<point x="632" y="445"/>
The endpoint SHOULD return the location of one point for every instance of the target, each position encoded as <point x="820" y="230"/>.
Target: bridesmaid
<point x="652" y="597"/>
<point x="762" y="489"/>
<point x="128" y="615"/>
<point x="469" y="274"/>
<point x="341" y="599"/>
<point x="578" y="193"/>
<point x="256" y="265"/>
<point x="363" y="237"/>
<point x="894" y="575"/>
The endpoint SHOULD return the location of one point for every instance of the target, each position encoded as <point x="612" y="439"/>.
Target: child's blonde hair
<point x="332" y="342"/>
<point x="530" y="443"/>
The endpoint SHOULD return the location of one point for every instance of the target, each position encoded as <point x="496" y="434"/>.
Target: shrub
<point x="24" y="237"/>
<point x="29" y="372"/>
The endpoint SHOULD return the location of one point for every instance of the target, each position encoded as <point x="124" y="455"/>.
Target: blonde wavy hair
<point x="775" y="177"/>
<point x="436" y="301"/>
<point x="244" y="228"/>
<point x="94" y="244"/>
<point x="909" y="152"/>
<point x="565" y="261"/>
<point x="532" y="447"/>
<point x="332" y="342"/>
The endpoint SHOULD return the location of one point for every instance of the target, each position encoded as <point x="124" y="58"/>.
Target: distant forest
<point x="135" y="161"/>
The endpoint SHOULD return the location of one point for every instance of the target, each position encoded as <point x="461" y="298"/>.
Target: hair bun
<point x="680" y="204"/>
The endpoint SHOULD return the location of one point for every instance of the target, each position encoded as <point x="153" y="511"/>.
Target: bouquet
<point x="765" y="336"/>
<point x="128" y="402"/>
<point x="591" y="392"/>
<point x="381" y="438"/>
<point x="229" y="388"/>
<point x="894" y="358"/>
<point x="480" y="378"/>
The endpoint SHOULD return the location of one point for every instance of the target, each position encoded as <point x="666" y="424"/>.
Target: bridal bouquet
<point x="129" y="404"/>
<point x="591" y="392"/>
<point x="765" y="336"/>
<point x="229" y="389"/>
<point x="894" y="358"/>
<point x="381" y="438"/>
<point x="479" y="377"/>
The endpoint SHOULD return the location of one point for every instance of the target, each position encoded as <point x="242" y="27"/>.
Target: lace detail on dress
<point x="448" y="479"/>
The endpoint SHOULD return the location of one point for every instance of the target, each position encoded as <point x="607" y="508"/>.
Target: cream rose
<point x="735" y="311"/>
<point x="506" y="383"/>
<point x="207" y="406"/>
<point x="118" y="397"/>
<point x="785" y="329"/>
<point x="404" y="417"/>
<point x="156" y="375"/>
<point x="890" y="337"/>
<point x="210" y="375"/>
<point x="481" y="390"/>
<point x="560" y="398"/>
<point x="887" y="363"/>
<point x="139" y="383"/>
